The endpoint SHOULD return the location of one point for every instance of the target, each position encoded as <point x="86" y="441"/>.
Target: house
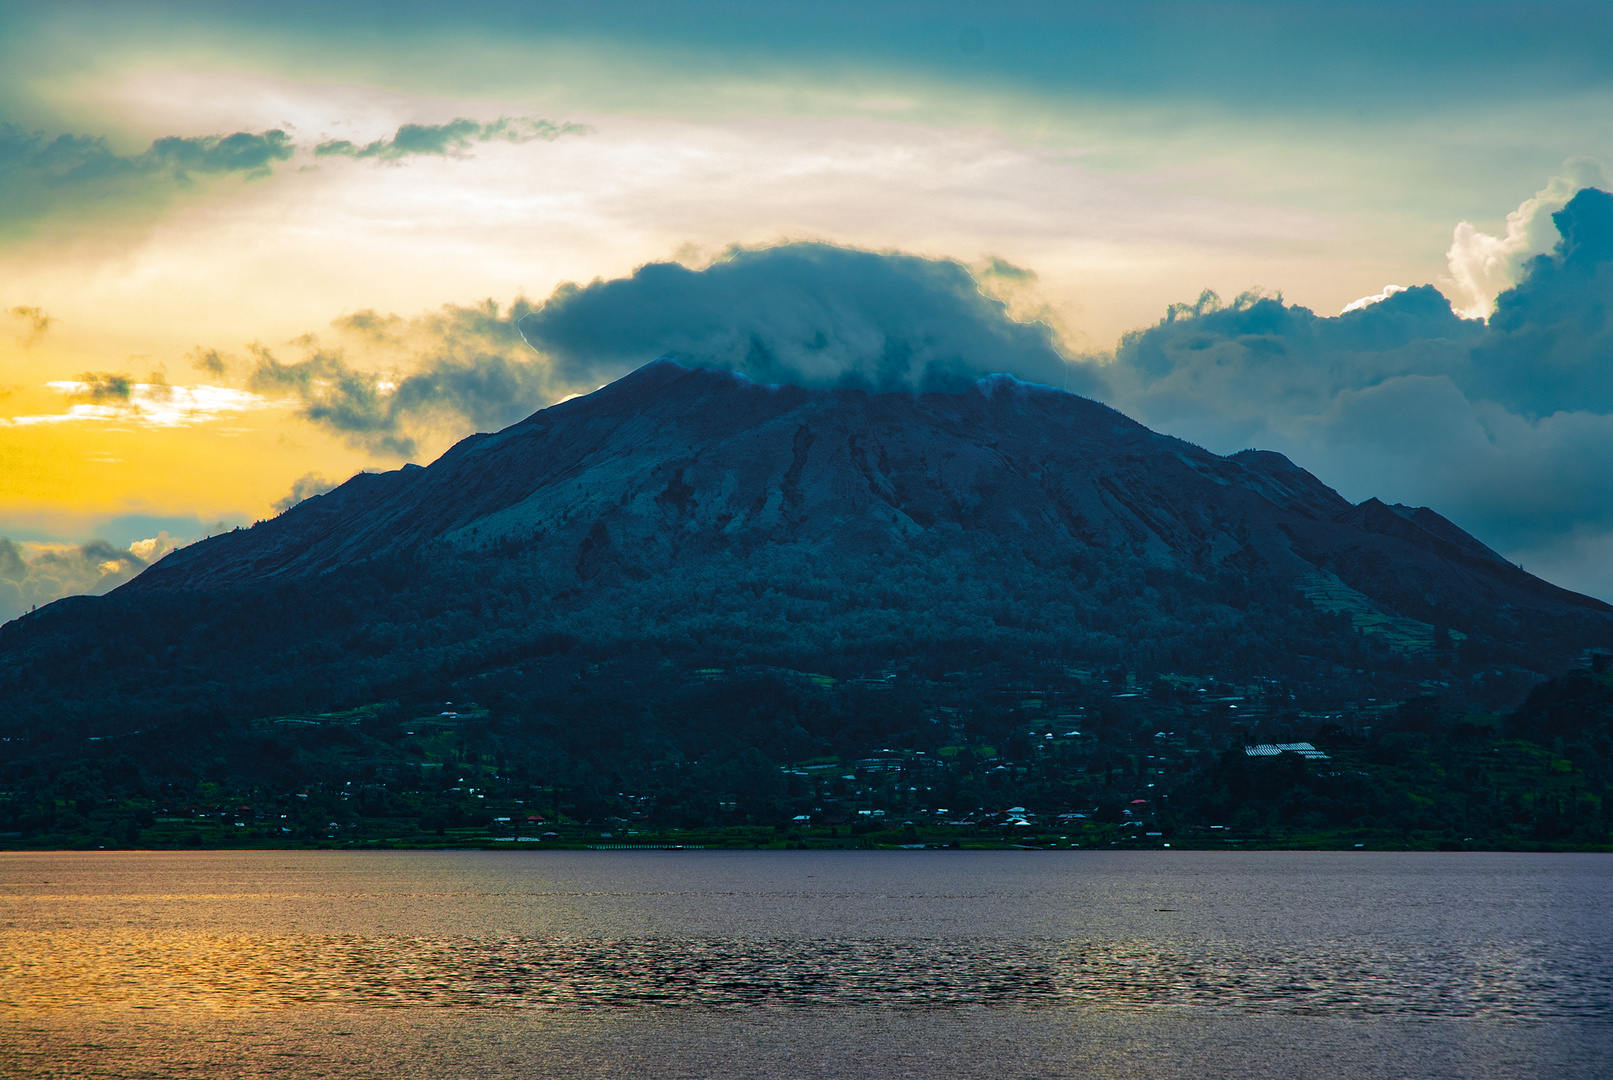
<point x="1303" y="749"/>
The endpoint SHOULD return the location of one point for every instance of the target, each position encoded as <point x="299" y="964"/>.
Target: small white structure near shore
<point x="1303" y="749"/>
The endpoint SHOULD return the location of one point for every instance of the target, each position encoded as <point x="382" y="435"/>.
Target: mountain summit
<point x="697" y="517"/>
<point x="670" y="465"/>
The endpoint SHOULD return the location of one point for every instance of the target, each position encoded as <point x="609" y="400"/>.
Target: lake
<point x="805" y="964"/>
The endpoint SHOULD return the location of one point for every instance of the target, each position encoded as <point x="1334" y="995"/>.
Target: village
<point x="1098" y="760"/>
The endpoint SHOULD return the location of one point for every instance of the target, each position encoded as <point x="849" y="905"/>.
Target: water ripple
<point x="163" y="970"/>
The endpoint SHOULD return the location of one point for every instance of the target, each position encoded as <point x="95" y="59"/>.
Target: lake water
<point x="805" y="964"/>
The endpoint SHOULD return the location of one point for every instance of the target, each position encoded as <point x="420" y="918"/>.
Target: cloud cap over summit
<point x="808" y="314"/>
<point x="804" y="314"/>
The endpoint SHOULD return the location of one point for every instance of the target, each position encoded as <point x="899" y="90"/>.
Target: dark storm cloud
<point x="43" y="175"/>
<point x="454" y="136"/>
<point x="1506" y="427"/>
<point x="809" y="314"/>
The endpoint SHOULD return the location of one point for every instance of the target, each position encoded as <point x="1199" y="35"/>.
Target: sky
<point x="248" y="250"/>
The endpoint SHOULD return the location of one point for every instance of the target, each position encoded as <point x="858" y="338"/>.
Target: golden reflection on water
<point x="47" y="970"/>
<point x="805" y="965"/>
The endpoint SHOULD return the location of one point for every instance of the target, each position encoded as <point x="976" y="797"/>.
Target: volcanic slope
<point x="669" y="465"/>
<point x="694" y="513"/>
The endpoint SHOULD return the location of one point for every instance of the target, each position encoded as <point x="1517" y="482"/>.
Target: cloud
<point x="809" y="314"/>
<point x="253" y="156"/>
<point x="456" y="136"/>
<point x="38" y="322"/>
<point x="73" y="178"/>
<point x="805" y="313"/>
<point x="1551" y="342"/>
<point x="37" y="573"/>
<point x="996" y="267"/>
<point x="304" y="487"/>
<point x="115" y="396"/>
<point x="1484" y="266"/>
<point x="459" y="370"/>
<point x="99" y="386"/>
<point x="1376" y="298"/>
<point x="1221" y="373"/>
<point x="210" y="361"/>
<point x="71" y="175"/>
<point x="127" y="530"/>
<point x="1506" y="427"/>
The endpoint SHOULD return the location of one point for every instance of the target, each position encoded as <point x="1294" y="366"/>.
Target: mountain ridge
<point x="684" y="520"/>
<point x="672" y="461"/>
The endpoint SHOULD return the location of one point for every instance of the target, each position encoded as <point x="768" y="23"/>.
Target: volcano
<point x="695" y="513"/>
<point x="671" y="465"/>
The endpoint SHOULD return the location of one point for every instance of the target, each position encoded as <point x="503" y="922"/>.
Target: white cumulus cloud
<point x="1482" y="266"/>
<point x="1375" y="298"/>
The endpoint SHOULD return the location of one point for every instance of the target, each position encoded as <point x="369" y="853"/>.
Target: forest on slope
<point x="424" y="714"/>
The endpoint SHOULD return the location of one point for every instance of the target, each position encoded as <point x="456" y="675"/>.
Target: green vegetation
<point x="1328" y="593"/>
<point x="414" y="627"/>
<point x="560" y="752"/>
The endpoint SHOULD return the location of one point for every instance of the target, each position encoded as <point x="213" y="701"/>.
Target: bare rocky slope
<point x="669" y="466"/>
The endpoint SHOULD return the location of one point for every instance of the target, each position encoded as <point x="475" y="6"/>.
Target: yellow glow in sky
<point x="174" y="269"/>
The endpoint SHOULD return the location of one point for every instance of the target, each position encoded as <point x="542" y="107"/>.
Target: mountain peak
<point x="673" y="471"/>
